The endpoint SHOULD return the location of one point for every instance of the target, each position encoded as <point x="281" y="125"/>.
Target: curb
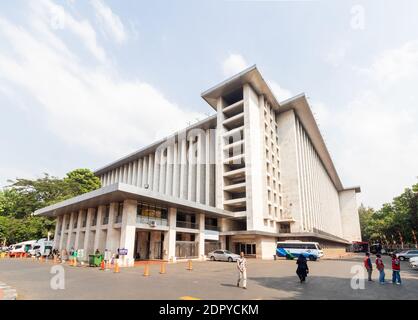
<point x="7" y="292"/>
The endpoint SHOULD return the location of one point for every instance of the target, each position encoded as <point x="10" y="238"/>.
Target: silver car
<point x="405" y="255"/>
<point x="223" y="255"/>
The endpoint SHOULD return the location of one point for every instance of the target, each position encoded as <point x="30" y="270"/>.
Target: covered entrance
<point x="149" y="245"/>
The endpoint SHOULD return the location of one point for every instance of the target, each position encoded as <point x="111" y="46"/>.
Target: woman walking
<point x="302" y="270"/>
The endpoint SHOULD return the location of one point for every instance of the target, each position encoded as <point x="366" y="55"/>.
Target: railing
<point x="213" y="228"/>
<point x="67" y="226"/>
<point x="186" y="249"/>
<point x="188" y="225"/>
<point x="84" y="224"/>
<point x="94" y="222"/>
<point x="118" y="218"/>
<point x="151" y="220"/>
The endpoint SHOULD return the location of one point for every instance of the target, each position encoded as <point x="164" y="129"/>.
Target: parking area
<point x="328" y="279"/>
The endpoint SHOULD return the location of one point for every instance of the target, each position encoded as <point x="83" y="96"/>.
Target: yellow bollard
<point x="162" y="268"/>
<point x="146" y="270"/>
<point x="190" y="266"/>
<point x="116" y="268"/>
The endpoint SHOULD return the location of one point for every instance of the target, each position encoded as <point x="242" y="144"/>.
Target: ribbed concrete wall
<point x="183" y="167"/>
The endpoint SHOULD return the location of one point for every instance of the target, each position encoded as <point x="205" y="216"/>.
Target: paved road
<point x="328" y="279"/>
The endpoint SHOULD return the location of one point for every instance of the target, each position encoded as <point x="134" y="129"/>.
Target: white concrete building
<point x="256" y="172"/>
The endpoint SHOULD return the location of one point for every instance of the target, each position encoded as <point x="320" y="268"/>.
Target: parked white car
<point x="407" y="254"/>
<point x="42" y="247"/>
<point x="413" y="262"/>
<point x="223" y="255"/>
<point x="22" y="247"/>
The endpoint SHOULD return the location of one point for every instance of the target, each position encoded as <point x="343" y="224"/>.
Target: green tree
<point x="24" y="196"/>
<point x="81" y="181"/>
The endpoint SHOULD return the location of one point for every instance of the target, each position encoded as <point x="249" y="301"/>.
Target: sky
<point x="85" y="82"/>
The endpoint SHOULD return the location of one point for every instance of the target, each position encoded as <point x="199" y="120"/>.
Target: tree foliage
<point x="395" y="222"/>
<point x="24" y="196"/>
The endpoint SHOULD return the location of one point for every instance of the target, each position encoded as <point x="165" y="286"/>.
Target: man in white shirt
<point x="242" y="270"/>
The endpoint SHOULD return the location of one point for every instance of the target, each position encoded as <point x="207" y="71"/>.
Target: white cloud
<point x="374" y="137"/>
<point x="110" y="22"/>
<point x="57" y="18"/>
<point x="234" y="64"/>
<point x="337" y="54"/>
<point x="280" y="92"/>
<point x="88" y="106"/>
<point x="396" y="64"/>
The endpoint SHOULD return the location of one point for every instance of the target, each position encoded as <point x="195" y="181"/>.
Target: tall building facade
<point x="256" y="172"/>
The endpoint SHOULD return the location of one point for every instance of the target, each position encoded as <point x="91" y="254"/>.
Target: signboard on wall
<point x="122" y="251"/>
<point x="211" y="235"/>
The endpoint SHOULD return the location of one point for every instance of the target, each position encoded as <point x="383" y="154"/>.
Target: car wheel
<point x="402" y="258"/>
<point x="229" y="259"/>
<point x="212" y="258"/>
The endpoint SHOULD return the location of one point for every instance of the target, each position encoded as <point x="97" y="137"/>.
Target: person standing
<point x="381" y="268"/>
<point x="368" y="265"/>
<point x="396" y="270"/>
<point x="242" y="270"/>
<point x="302" y="270"/>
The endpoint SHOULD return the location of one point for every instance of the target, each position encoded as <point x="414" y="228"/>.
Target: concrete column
<point x="127" y="236"/>
<point x="183" y="169"/>
<point x="222" y="239"/>
<point x="139" y="173"/>
<point x="100" y="213"/>
<point x="70" y="231"/>
<point x="170" y="238"/>
<point x="90" y="212"/>
<point x="77" y="235"/>
<point x="144" y="178"/>
<point x="62" y="245"/>
<point x="112" y="239"/>
<point x="169" y="171"/>
<point x="176" y="171"/>
<point x="200" y="169"/>
<point x="151" y="171"/>
<point x="201" y="251"/>
<point x="191" y="188"/>
<point x="57" y="227"/>
<point x="134" y="173"/>
<point x="162" y="173"/>
<point x="219" y="168"/>
<point x="157" y="167"/>
<point x="130" y="173"/>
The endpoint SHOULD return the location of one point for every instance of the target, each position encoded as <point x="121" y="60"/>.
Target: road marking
<point x="189" y="298"/>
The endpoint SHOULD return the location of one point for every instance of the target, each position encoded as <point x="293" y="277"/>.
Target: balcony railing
<point x="212" y="228"/>
<point x="118" y="219"/>
<point x="94" y="222"/>
<point x="151" y="220"/>
<point x="105" y="220"/>
<point x="188" y="225"/>
<point x="84" y="224"/>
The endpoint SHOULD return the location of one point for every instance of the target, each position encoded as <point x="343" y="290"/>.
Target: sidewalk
<point x="7" y="292"/>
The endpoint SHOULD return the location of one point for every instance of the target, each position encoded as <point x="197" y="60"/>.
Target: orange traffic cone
<point x="162" y="268"/>
<point x="102" y="265"/>
<point x="146" y="270"/>
<point x="190" y="267"/>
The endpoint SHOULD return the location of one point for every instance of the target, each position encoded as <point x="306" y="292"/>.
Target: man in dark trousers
<point x="302" y="270"/>
<point x="368" y="265"/>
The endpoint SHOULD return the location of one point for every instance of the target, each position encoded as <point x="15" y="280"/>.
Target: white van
<point x="42" y="247"/>
<point x="21" y="247"/>
<point x="293" y="249"/>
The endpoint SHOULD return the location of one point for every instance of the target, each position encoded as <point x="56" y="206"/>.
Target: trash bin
<point x="275" y="257"/>
<point x="95" y="260"/>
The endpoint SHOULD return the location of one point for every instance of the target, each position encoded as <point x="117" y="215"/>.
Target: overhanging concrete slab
<point x="119" y="192"/>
